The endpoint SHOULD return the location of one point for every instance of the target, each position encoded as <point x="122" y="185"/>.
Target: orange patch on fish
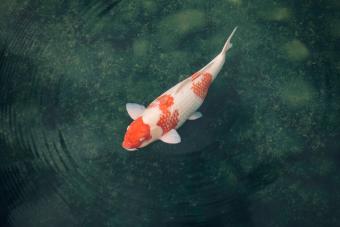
<point x="195" y="75"/>
<point x="165" y="101"/>
<point x="200" y="88"/>
<point x="167" y="120"/>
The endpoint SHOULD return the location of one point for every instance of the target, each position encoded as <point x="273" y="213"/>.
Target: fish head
<point x="137" y="134"/>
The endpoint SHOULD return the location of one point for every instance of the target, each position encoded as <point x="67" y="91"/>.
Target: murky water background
<point x="265" y="153"/>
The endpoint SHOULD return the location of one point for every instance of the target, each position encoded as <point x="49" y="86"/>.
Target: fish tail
<point x="228" y="44"/>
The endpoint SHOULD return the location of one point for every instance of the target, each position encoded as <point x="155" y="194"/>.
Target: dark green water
<point x="265" y="153"/>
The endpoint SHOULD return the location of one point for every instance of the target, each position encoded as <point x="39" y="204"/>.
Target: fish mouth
<point x="128" y="146"/>
<point x="132" y="149"/>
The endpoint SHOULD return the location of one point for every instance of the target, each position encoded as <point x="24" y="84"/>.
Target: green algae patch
<point x="334" y="3"/>
<point x="295" y="50"/>
<point x="185" y="21"/>
<point x="337" y="65"/>
<point x="228" y="174"/>
<point x="149" y="6"/>
<point x="140" y="47"/>
<point x="297" y="92"/>
<point x="334" y="27"/>
<point x="177" y="26"/>
<point x="276" y="14"/>
<point x="235" y="2"/>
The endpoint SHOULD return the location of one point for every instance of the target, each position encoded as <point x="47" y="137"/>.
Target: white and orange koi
<point x="170" y="110"/>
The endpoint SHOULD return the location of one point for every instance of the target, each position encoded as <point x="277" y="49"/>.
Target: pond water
<point x="265" y="152"/>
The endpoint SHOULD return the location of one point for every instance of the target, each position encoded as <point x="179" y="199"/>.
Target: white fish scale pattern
<point x="186" y="103"/>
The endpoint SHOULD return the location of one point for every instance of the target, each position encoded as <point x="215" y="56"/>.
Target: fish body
<point x="160" y="119"/>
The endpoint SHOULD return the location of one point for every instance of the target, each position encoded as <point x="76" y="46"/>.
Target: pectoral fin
<point x="135" y="110"/>
<point x="171" y="137"/>
<point x="195" y="116"/>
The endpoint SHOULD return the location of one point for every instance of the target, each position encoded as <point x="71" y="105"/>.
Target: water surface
<point x="265" y="153"/>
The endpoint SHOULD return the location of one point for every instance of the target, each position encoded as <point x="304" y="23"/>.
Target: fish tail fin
<point x="228" y="44"/>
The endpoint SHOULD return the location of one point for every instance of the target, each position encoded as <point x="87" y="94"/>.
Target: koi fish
<point x="170" y="110"/>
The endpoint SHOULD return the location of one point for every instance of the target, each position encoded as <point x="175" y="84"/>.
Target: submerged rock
<point x="276" y="14"/>
<point x="296" y="50"/>
<point x="176" y="26"/>
<point x="235" y="2"/>
<point x="184" y="21"/>
<point x="297" y="92"/>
